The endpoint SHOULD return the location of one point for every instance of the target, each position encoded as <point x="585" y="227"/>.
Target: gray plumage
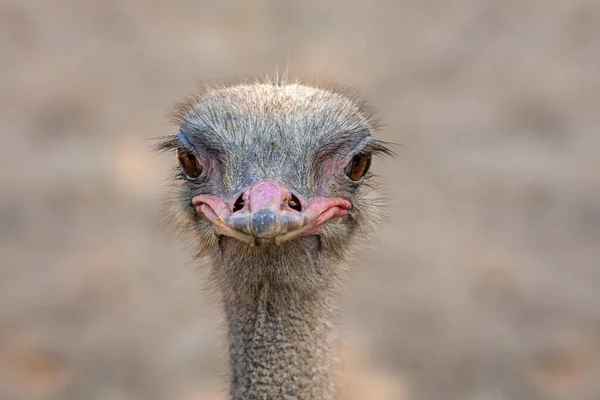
<point x="280" y="300"/>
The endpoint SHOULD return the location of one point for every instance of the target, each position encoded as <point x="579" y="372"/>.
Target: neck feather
<point x="280" y="317"/>
<point x="280" y="352"/>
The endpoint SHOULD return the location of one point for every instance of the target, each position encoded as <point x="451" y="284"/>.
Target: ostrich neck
<point x="280" y="348"/>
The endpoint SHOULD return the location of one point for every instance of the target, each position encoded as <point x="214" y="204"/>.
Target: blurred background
<point x="483" y="285"/>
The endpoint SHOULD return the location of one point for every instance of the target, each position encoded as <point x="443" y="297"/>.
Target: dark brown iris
<point x="189" y="163"/>
<point x="358" y="166"/>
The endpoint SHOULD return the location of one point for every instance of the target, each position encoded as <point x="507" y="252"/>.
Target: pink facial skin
<point x="267" y="216"/>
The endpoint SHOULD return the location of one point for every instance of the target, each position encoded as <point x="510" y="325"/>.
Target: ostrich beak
<point x="267" y="213"/>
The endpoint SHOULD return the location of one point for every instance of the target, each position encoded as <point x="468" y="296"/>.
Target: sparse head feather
<point x="272" y="124"/>
<point x="296" y="133"/>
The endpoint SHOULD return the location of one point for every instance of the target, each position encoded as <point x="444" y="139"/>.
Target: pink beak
<point x="267" y="213"/>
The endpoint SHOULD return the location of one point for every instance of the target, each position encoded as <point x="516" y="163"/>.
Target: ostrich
<point x="273" y="187"/>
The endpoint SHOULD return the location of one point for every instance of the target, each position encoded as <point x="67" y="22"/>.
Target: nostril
<point x="294" y="203"/>
<point x="239" y="203"/>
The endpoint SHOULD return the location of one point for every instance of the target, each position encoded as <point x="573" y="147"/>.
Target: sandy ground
<point x="483" y="285"/>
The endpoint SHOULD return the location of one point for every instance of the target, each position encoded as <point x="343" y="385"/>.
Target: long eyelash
<point x="172" y="143"/>
<point x="379" y="148"/>
<point x="168" y="143"/>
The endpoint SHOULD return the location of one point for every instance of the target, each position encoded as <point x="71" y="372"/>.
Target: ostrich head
<point x="272" y="179"/>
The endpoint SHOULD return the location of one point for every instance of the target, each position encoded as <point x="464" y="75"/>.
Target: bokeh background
<point x="483" y="285"/>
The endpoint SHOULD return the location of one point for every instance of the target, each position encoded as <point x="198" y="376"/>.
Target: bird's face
<point x="269" y="166"/>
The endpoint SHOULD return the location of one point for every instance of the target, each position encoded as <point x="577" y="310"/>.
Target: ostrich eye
<point x="189" y="164"/>
<point x="358" y="166"/>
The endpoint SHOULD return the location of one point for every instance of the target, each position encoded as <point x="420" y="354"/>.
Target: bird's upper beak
<point x="268" y="213"/>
